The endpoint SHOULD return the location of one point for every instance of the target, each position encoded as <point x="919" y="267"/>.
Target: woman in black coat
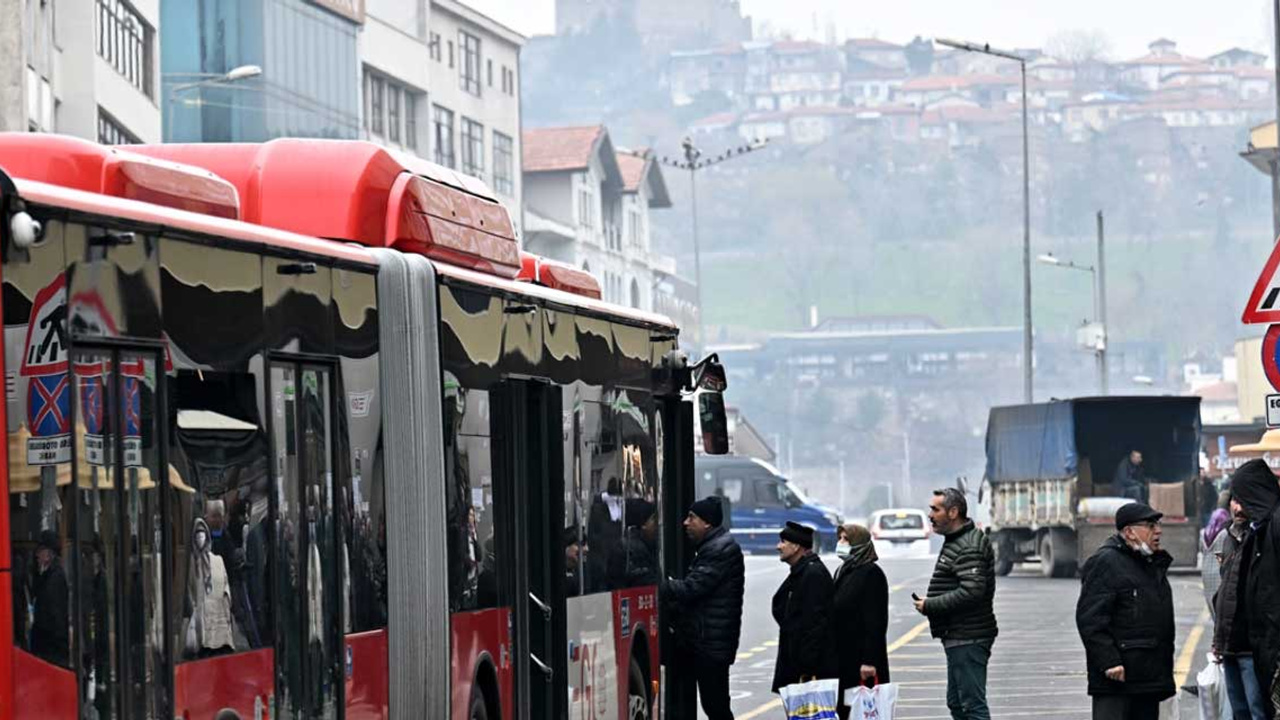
<point x="860" y="613"/>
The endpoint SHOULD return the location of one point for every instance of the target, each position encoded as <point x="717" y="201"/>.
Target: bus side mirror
<point x="714" y="423"/>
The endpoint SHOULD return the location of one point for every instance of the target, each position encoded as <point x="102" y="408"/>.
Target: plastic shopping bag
<point x="871" y="703"/>
<point x="1170" y="709"/>
<point x="1214" y="703"/>
<point x="814" y="700"/>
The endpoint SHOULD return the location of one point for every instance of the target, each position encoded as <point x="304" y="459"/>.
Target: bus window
<point x="361" y="501"/>
<point x="603" y="494"/>
<point x="635" y="560"/>
<point x="41" y="498"/>
<point x="473" y="571"/>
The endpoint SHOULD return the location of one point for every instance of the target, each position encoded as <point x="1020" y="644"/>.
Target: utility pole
<point x="1028" y="366"/>
<point x="1101" y="291"/>
<point x="693" y="162"/>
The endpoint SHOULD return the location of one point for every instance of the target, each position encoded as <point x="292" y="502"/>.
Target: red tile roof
<point x="633" y="167"/>
<point x="560" y="149"/>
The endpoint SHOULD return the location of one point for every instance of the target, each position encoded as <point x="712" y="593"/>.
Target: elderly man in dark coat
<point x="802" y="608"/>
<point x="706" y="605"/>
<point x="1256" y="488"/>
<point x="1125" y="619"/>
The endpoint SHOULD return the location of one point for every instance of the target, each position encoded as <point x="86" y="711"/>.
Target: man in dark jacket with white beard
<point x="707" y="606"/>
<point x="1125" y="619"/>
<point x="1256" y="488"/>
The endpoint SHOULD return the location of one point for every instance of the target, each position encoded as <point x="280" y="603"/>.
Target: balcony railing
<point x="125" y="41"/>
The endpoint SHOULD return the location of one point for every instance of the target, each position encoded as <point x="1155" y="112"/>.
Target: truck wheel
<point x="1057" y="554"/>
<point x="1004" y="555"/>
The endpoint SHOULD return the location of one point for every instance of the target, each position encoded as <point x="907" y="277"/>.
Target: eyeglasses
<point x="1151" y="524"/>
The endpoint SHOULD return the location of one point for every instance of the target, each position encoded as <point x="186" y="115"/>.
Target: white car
<point x="899" y="526"/>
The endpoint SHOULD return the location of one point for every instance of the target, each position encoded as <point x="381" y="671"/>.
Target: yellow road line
<point x="909" y="581"/>
<point x="771" y="705"/>
<point x="771" y="643"/>
<point x="910" y="635"/>
<point x="1188" y="654"/>
<point x="758" y="648"/>
<point x="774" y="704"/>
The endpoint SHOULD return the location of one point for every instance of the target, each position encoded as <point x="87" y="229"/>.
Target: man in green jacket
<point x="959" y="604"/>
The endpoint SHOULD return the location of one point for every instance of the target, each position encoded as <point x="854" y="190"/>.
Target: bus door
<point x="529" y="492"/>
<point x="119" y="600"/>
<point x="678" y="487"/>
<point x="309" y="649"/>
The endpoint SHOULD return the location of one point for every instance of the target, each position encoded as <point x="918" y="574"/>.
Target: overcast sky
<point x="1200" y="27"/>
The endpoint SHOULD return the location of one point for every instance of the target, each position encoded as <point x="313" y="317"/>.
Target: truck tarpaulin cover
<point x="1054" y="440"/>
<point x="1031" y="441"/>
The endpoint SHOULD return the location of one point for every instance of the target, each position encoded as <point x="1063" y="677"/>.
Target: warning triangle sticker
<point x="1264" y="301"/>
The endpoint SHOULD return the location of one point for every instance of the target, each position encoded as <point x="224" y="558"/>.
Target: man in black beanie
<point x="1254" y="485"/>
<point x="802" y="609"/>
<point x="707" y="606"/>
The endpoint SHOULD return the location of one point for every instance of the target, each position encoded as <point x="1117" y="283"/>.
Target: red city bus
<point x="295" y="431"/>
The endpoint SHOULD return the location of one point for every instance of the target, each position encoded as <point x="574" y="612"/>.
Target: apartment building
<point x="587" y="204"/>
<point x="441" y="80"/>
<point x="88" y="68"/>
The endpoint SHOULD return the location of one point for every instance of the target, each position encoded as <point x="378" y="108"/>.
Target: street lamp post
<point x="244" y="72"/>
<point x="1099" y="274"/>
<point x="1027" y="366"/>
<point x="693" y="162"/>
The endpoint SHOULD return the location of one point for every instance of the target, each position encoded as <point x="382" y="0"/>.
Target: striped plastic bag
<point x="813" y="700"/>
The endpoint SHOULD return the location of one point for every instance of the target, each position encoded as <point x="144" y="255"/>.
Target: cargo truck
<point x="1050" y="466"/>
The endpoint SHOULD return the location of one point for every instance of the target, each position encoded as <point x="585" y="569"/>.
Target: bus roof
<point x="144" y="212"/>
<point x="364" y="193"/>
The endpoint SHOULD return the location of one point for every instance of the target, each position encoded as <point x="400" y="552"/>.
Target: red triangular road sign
<point x="1264" y="301"/>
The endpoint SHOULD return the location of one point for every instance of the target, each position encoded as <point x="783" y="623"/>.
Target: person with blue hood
<point x="1255" y="486"/>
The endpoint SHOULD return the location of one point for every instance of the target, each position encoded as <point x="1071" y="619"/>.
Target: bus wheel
<point x="479" y="710"/>
<point x="637" y="695"/>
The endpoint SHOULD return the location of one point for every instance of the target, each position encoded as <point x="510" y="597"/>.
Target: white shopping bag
<point x="813" y="700"/>
<point x="1212" y="681"/>
<point x="875" y="703"/>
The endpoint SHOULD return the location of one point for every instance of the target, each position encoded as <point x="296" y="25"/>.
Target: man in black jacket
<point x="960" y="603"/>
<point x="802" y="608"/>
<point x="707" y="606"/>
<point x="1125" y="619"/>
<point x="50" y="635"/>
<point x="1255" y="487"/>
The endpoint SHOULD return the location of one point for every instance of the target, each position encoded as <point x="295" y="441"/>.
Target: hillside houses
<point x="805" y="92"/>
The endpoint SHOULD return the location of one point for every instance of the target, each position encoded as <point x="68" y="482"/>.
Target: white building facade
<point x="587" y="204"/>
<point x="442" y="81"/>
<point x="89" y="68"/>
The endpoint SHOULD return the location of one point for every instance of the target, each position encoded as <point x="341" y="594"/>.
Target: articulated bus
<point x="296" y="431"/>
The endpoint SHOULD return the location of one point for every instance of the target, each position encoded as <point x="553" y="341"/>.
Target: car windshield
<point x="901" y="521"/>
<point x="795" y="490"/>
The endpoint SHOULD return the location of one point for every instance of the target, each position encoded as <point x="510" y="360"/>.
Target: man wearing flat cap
<point x="706" y="605"/>
<point x="802" y="608"/>
<point x="1125" y="619"/>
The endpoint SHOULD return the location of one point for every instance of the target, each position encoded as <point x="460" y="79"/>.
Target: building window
<point x="586" y="208"/>
<point x="633" y="228"/>
<point x="377" y="104"/>
<point x="124" y="41"/>
<point x="393" y="113"/>
<point x="111" y="132"/>
<point x="443" y="121"/>
<point x="450" y="53"/>
<point x="503" y="164"/>
<point x="489" y="70"/>
<point x="433" y="46"/>
<point x="472" y="148"/>
<point x="410" y="121"/>
<point x="469" y="70"/>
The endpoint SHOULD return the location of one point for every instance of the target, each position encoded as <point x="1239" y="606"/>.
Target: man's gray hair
<point x="953" y="498"/>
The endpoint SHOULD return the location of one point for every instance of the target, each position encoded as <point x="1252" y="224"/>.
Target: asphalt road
<point x="1037" y="664"/>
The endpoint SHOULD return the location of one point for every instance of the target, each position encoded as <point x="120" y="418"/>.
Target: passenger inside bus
<point x="48" y="592"/>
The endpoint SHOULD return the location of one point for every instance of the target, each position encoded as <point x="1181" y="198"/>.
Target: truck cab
<point x="761" y="501"/>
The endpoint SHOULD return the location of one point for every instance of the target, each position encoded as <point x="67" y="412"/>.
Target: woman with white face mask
<point x="860" y="612"/>
<point x="209" y="630"/>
